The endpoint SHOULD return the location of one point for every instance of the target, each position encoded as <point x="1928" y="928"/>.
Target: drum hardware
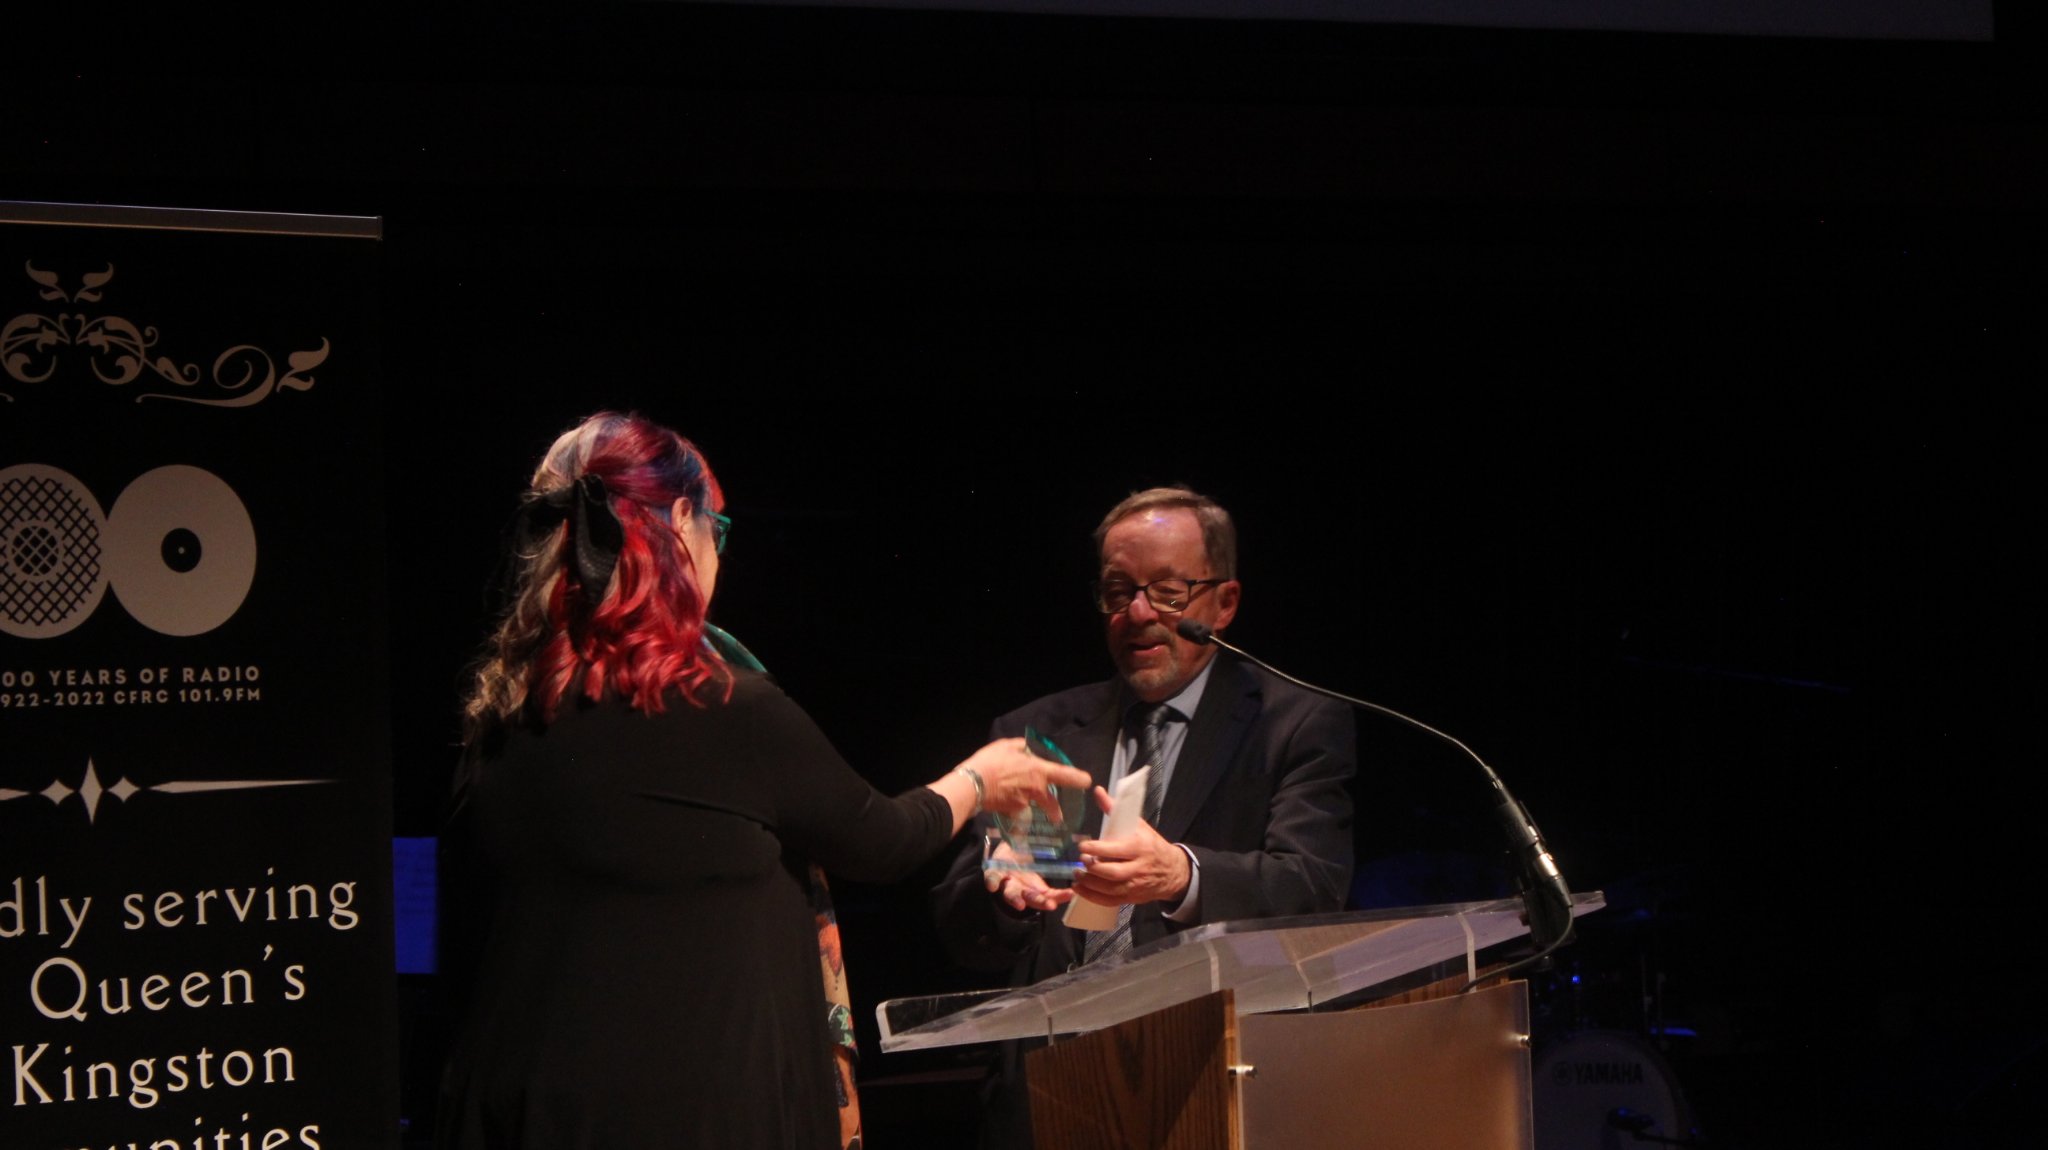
<point x="1638" y="1126"/>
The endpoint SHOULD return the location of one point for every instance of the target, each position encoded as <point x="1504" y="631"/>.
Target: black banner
<point x="195" y="867"/>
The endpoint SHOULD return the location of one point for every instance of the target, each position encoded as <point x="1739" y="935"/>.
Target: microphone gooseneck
<point x="1545" y="897"/>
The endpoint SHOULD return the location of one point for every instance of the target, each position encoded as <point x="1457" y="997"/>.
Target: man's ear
<point x="1226" y="604"/>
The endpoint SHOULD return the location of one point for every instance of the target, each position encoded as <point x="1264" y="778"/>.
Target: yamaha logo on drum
<point x="1599" y="1073"/>
<point x="177" y="549"/>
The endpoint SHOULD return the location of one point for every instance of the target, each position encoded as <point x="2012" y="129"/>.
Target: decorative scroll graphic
<point x="120" y="352"/>
<point x="178" y="549"/>
<point x="90" y="791"/>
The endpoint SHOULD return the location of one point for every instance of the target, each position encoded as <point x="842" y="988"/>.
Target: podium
<point x="1322" y="1031"/>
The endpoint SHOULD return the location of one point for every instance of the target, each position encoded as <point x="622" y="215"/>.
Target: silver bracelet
<point x="980" y="793"/>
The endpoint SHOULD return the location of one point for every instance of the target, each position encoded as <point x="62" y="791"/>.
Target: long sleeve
<point x="1303" y="861"/>
<point x="823" y="809"/>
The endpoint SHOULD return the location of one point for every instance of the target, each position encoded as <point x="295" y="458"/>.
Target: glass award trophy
<point x="1039" y="840"/>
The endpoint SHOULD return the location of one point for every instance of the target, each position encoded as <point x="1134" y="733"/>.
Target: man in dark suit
<point x="1254" y="816"/>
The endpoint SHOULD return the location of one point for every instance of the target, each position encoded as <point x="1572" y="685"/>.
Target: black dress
<point x="647" y="964"/>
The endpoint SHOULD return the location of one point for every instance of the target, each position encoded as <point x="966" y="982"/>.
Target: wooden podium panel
<point x="1161" y="1082"/>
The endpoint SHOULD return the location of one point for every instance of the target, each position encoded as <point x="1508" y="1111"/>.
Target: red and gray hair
<point x="637" y="633"/>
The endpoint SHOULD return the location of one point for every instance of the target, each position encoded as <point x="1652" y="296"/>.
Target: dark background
<point x="1647" y="411"/>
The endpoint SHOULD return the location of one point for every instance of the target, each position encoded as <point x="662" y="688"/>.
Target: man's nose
<point x="1141" y="609"/>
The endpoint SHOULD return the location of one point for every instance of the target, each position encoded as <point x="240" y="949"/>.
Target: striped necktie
<point x="1151" y="744"/>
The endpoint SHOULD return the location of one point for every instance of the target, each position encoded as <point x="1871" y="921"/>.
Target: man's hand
<point x="1139" y="867"/>
<point x="1022" y="889"/>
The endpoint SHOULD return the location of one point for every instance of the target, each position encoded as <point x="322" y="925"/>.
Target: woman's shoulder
<point x="738" y="691"/>
<point x="744" y="696"/>
<point x="755" y="713"/>
<point x="755" y="689"/>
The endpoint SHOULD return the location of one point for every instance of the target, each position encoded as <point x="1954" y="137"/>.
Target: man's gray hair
<point x="1219" y="534"/>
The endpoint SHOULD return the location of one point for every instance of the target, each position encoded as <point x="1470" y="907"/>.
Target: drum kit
<point x="1606" y="1089"/>
<point x="1602" y="1076"/>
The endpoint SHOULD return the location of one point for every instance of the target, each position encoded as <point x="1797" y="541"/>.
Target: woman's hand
<point x="1013" y="778"/>
<point x="1005" y="778"/>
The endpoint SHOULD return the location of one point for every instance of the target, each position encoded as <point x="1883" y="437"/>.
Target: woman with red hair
<point x="640" y="811"/>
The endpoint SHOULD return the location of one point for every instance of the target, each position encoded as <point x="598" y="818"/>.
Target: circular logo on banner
<point x="181" y="551"/>
<point x="51" y="570"/>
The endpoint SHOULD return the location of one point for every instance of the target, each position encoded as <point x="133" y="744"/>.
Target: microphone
<point x="1546" y="900"/>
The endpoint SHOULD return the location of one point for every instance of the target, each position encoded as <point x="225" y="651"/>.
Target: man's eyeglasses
<point x="720" y="528"/>
<point x="1166" y="595"/>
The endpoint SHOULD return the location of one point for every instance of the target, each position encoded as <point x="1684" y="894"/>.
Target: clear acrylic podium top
<point x="1269" y="964"/>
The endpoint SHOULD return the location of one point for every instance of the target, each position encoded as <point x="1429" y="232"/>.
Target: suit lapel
<point x="1230" y="704"/>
